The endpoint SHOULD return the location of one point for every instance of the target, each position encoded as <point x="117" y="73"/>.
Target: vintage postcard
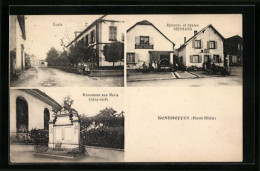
<point x="126" y="88"/>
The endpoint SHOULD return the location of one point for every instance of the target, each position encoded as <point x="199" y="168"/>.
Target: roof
<point x="86" y="29"/>
<point x="43" y="97"/>
<point x="101" y="19"/>
<point x="235" y="36"/>
<point x="208" y="26"/>
<point x="145" y="22"/>
<point x="21" y="21"/>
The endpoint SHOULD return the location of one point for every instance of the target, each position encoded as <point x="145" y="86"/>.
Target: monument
<point x="64" y="127"/>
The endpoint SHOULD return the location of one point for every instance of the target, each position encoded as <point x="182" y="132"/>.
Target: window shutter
<point x="193" y="43"/>
<point x="89" y="38"/>
<point x="216" y="45"/>
<point x="191" y="58"/>
<point x="151" y="40"/>
<point x="136" y="58"/>
<point x="137" y="42"/>
<point x="207" y="44"/>
<point x="200" y="59"/>
<point x="115" y="33"/>
<point x="201" y="44"/>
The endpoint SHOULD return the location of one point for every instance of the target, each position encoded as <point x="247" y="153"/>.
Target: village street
<point x="26" y="154"/>
<point x="49" y="77"/>
<point x="189" y="80"/>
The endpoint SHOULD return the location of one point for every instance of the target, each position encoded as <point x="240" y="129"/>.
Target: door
<point x="206" y="58"/>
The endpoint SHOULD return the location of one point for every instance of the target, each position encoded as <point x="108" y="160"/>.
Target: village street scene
<point x="46" y="126"/>
<point x="66" y="51"/>
<point x="184" y="50"/>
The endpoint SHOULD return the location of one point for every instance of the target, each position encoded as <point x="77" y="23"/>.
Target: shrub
<point x="106" y="129"/>
<point x="34" y="136"/>
<point x="39" y="136"/>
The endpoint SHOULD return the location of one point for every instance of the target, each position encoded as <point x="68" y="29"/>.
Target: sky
<point x="82" y="104"/>
<point x="46" y="31"/>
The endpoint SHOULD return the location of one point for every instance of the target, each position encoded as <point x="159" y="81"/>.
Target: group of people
<point x="208" y="65"/>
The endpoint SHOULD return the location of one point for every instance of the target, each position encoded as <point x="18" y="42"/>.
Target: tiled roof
<point x="145" y="22"/>
<point x="182" y="46"/>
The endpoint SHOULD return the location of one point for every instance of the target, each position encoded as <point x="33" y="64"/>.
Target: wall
<point x="12" y="29"/>
<point x="35" y="110"/>
<point x="12" y="41"/>
<point x="208" y="35"/>
<point x="159" y="41"/>
<point x="104" y="38"/>
<point x="182" y="54"/>
<point x="20" y="57"/>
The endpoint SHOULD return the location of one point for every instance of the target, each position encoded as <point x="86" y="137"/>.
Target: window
<point x="195" y="59"/>
<point x="143" y="42"/>
<point x="212" y="44"/>
<point x="197" y="44"/>
<point x="144" y="39"/>
<point x="130" y="58"/>
<point x="216" y="58"/>
<point x="92" y="34"/>
<point x="86" y="39"/>
<point x="21" y="115"/>
<point x="112" y="33"/>
<point x="46" y="119"/>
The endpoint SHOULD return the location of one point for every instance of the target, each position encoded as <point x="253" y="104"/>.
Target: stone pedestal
<point x="64" y="130"/>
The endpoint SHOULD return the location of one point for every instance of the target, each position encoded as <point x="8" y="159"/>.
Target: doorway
<point x="165" y="60"/>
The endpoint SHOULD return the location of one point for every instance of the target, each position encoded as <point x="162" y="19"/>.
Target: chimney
<point x="184" y="39"/>
<point x="195" y="32"/>
<point x="77" y="33"/>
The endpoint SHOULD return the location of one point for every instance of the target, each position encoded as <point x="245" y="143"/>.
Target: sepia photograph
<point x="184" y="50"/>
<point x="71" y="126"/>
<point x="128" y="85"/>
<point x="66" y="51"/>
<point x="69" y="96"/>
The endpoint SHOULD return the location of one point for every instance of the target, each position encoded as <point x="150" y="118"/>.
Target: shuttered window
<point x="212" y="45"/>
<point x="87" y="40"/>
<point x="92" y="36"/>
<point x="217" y="58"/>
<point x="130" y="58"/>
<point x="197" y="44"/>
<point x="195" y="59"/>
<point x="144" y="39"/>
<point x="144" y="42"/>
<point x="112" y="33"/>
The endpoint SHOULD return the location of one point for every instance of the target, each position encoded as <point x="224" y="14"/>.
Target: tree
<point x="114" y="52"/>
<point x="81" y="53"/>
<point x="62" y="60"/>
<point x="51" y="56"/>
